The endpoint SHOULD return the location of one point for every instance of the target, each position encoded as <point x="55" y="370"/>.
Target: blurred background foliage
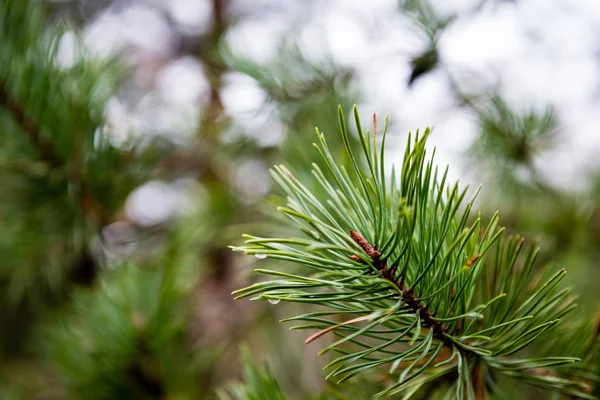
<point x="136" y="137"/>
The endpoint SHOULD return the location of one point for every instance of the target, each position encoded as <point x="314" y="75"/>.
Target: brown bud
<point x="356" y="259"/>
<point x="472" y="260"/>
<point x="364" y="244"/>
<point x="374" y="124"/>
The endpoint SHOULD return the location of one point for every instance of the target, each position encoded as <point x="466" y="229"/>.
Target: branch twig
<point x="30" y="127"/>
<point x="427" y="317"/>
<point x="439" y="332"/>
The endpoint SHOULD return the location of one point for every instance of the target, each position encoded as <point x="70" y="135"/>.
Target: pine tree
<point x="410" y="284"/>
<point x="408" y="280"/>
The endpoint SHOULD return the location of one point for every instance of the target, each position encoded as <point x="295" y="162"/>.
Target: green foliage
<point x="259" y="383"/>
<point x="586" y="347"/>
<point x="407" y="280"/>
<point x="130" y="338"/>
<point x="516" y="137"/>
<point x="423" y="300"/>
<point x="116" y="344"/>
<point x="62" y="178"/>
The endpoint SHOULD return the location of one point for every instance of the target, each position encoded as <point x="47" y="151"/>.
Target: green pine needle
<point x="406" y="279"/>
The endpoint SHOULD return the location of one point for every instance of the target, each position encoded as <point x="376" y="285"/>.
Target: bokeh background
<point x="212" y="93"/>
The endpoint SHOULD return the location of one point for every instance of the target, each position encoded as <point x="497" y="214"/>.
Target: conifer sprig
<point x="406" y="279"/>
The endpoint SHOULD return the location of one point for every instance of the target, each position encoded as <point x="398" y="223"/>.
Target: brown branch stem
<point x="440" y="332"/>
<point x="84" y="268"/>
<point x="36" y="137"/>
<point x="29" y="126"/>
<point x="408" y="295"/>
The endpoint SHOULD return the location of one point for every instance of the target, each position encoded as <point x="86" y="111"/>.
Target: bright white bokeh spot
<point x="456" y="132"/>
<point x="68" y="52"/>
<point x="346" y="39"/>
<point x="577" y="154"/>
<point x="264" y="126"/>
<point x="245" y="101"/>
<point x="152" y="203"/>
<point x="152" y="115"/>
<point x="310" y="41"/>
<point x="146" y="28"/>
<point x="182" y="81"/>
<point x="103" y="35"/>
<point x="428" y="102"/>
<point x="193" y="16"/>
<point x="273" y="134"/>
<point x="571" y="79"/>
<point x="252" y="180"/>
<point x="486" y="39"/>
<point x="578" y="26"/>
<point x="257" y="39"/>
<point x="136" y="27"/>
<point x="241" y="95"/>
<point x="386" y="80"/>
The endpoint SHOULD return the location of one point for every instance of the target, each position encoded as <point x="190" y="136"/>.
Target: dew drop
<point x="274" y="301"/>
<point x="260" y="256"/>
<point x="395" y="365"/>
<point x="475" y="315"/>
<point x="375" y="315"/>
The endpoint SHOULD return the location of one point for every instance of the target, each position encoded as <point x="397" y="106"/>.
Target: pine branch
<point x="62" y="178"/>
<point x="36" y="137"/>
<point x="418" y="278"/>
<point x="259" y="382"/>
<point x="439" y="332"/>
<point x="29" y="126"/>
<point x="408" y="295"/>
